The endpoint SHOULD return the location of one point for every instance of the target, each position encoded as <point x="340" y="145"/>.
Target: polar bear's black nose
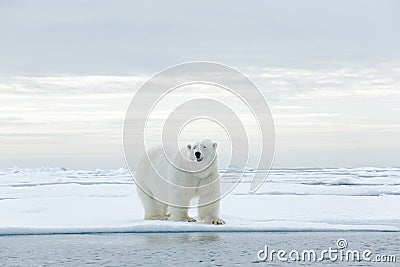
<point x="197" y="154"/>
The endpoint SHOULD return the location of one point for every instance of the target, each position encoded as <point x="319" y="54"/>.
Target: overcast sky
<point x="329" y="70"/>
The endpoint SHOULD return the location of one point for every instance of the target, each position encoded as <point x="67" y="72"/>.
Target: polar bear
<point x="166" y="182"/>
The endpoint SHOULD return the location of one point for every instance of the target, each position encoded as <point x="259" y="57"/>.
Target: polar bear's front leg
<point x="209" y="213"/>
<point x="180" y="213"/>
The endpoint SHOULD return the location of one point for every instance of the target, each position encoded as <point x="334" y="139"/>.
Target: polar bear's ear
<point x="215" y="145"/>
<point x="189" y="146"/>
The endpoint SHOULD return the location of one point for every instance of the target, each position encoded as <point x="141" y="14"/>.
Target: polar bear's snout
<point x="198" y="156"/>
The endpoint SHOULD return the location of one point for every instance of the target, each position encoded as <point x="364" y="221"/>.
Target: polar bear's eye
<point x="204" y="147"/>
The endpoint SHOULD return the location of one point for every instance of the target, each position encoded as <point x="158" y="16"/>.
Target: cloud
<point x="382" y="80"/>
<point x="67" y="85"/>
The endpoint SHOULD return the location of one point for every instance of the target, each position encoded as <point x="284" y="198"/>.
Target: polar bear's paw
<point x="182" y="219"/>
<point x="216" y="221"/>
<point x="156" y="217"/>
<point x="190" y="219"/>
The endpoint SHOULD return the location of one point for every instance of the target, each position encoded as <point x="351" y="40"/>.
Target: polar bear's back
<point x="150" y="166"/>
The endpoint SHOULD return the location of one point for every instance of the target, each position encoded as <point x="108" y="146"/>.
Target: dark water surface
<point x="186" y="249"/>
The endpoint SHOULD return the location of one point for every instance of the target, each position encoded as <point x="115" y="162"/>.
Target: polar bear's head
<point x="203" y="151"/>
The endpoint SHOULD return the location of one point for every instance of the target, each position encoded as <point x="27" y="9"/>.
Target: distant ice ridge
<point x="58" y="200"/>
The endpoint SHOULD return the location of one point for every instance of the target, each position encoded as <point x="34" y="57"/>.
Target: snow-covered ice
<point x="55" y="200"/>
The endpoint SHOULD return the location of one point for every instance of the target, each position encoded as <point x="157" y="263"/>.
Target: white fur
<point x="202" y="178"/>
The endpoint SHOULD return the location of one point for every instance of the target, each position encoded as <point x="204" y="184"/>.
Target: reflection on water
<point x="204" y="249"/>
<point x="151" y="239"/>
